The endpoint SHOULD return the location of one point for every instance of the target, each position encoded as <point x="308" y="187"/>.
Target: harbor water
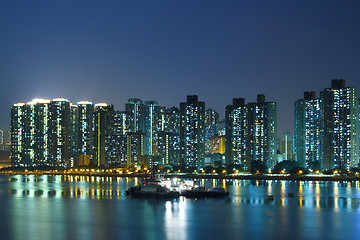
<point x="81" y="207"/>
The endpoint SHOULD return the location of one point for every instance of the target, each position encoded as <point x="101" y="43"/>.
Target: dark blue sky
<point x="165" y="50"/>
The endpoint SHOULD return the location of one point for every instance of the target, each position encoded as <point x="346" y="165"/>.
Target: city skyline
<point x="164" y="51"/>
<point x="180" y="120"/>
<point x="60" y="133"/>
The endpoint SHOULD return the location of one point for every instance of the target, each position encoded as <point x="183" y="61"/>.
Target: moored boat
<point x="153" y="187"/>
<point x="152" y="191"/>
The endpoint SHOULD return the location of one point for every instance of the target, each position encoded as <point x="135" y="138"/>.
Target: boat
<point x="153" y="187"/>
<point x="202" y="192"/>
<point x="156" y="191"/>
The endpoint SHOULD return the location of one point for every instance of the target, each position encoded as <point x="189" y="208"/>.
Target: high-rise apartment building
<point x="192" y="132"/>
<point x="340" y="106"/>
<point x="135" y="148"/>
<point x="327" y="128"/>
<point x="286" y="146"/>
<point x="1" y="137"/>
<point x="37" y="133"/>
<point x="236" y="132"/>
<point x="251" y="132"/>
<point x="308" y="130"/>
<point x="262" y="123"/>
<point x="168" y="136"/>
<point x="7" y="138"/>
<point x="152" y="111"/>
<point x="211" y="128"/>
<point x="170" y="120"/>
<point x="31" y="133"/>
<point x="85" y="141"/>
<point x="136" y="107"/>
<point x="218" y="144"/>
<point x="73" y="135"/>
<point x="222" y="129"/>
<point x="115" y="148"/>
<point x="102" y="120"/>
<point x="169" y="148"/>
<point x="18" y="147"/>
<point x="115" y="142"/>
<point x="60" y="132"/>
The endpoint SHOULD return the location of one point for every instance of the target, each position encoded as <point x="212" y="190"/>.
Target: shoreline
<point x="200" y="176"/>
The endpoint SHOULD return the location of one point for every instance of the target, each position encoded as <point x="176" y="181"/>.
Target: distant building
<point x="151" y="129"/>
<point x="102" y="120"/>
<point x="251" y="132"/>
<point x="31" y="133"/>
<point x="218" y="144"/>
<point x="136" y="107"/>
<point x="84" y="160"/>
<point x="192" y="132"/>
<point x="169" y="148"/>
<point x="170" y="120"/>
<point x="327" y="128"/>
<point x="18" y="141"/>
<point x="37" y="132"/>
<point x="211" y="128"/>
<point x="73" y="135"/>
<point x="7" y="138"/>
<point x="5" y="141"/>
<point x="85" y="141"/>
<point x="169" y="136"/>
<point x="221" y="129"/>
<point x="115" y="146"/>
<point x="215" y="160"/>
<point x="236" y="133"/>
<point x="135" y="148"/>
<point x="262" y="125"/>
<point x="308" y="129"/>
<point x="1" y="137"/>
<point x="286" y="146"/>
<point x="340" y="107"/>
<point x="59" y="132"/>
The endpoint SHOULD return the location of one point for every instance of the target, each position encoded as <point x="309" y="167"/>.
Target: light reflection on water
<point x="83" y="207"/>
<point x="306" y="194"/>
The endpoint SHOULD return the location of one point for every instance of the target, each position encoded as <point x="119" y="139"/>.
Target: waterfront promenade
<point x="240" y="176"/>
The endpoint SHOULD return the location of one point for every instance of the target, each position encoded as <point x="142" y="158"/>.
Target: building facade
<point x="136" y="107"/>
<point x="211" y="128"/>
<point x="251" y="132"/>
<point x="308" y="130"/>
<point x="60" y="132"/>
<point x="152" y="111"/>
<point x="102" y="121"/>
<point x="340" y="124"/>
<point x="85" y="137"/>
<point x="192" y="133"/>
<point x="236" y="132"/>
<point x="18" y="146"/>
<point x="135" y="148"/>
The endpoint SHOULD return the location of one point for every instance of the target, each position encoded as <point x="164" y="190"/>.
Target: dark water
<point x="57" y="207"/>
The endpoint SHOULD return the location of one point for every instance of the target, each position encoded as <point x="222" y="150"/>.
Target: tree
<point x="208" y="169"/>
<point x="298" y="170"/>
<point x="285" y="165"/>
<point x="233" y="167"/>
<point x="314" y="165"/>
<point x="218" y="164"/>
<point x="258" y="167"/>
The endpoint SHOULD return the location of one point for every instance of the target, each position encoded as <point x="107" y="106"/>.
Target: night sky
<point x="165" y="50"/>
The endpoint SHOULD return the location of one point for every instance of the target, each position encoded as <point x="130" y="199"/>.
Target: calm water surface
<point x="64" y="207"/>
